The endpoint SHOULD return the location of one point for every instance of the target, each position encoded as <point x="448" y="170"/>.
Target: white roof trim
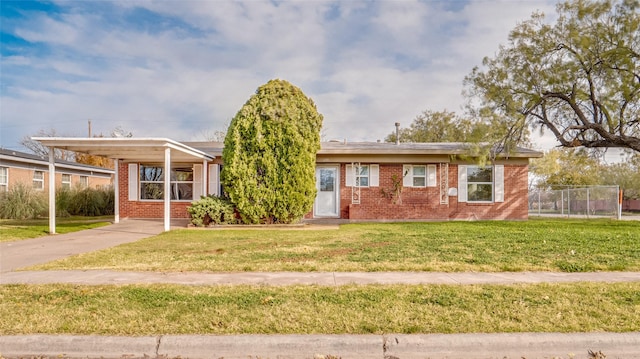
<point x="127" y="149"/>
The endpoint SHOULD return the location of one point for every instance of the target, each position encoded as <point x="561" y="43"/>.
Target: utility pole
<point x="89" y="128"/>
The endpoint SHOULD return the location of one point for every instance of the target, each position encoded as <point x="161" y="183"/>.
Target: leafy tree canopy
<point x="269" y="155"/>
<point x="578" y="78"/>
<point x="563" y="167"/>
<point x="435" y="126"/>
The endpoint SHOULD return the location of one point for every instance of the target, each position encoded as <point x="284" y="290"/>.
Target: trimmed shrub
<point x="211" y="209"/>
<point x="22" y="202"/>
<point x="269" y="155"/>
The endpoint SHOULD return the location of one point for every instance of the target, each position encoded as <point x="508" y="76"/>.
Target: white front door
<point x="328" y="198"/>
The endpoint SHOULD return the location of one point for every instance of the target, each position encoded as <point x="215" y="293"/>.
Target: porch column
<point x="52" y="191"/>
<point x="116" y="191"/>
<point x="167" y="189"/>
<point x="205" y="174"/>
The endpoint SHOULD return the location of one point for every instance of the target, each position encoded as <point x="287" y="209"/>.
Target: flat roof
<point x="128" y="148"/>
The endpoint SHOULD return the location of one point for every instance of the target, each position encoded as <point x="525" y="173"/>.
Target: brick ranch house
<point x="357" y="181"/>
<point x="32" y="170"/>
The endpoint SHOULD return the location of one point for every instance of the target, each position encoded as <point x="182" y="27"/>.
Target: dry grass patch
<point x="173" y="309"/>
<point x="535" y="245"/>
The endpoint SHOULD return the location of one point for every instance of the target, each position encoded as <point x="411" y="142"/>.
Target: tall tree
<point x="578" y="78"/>
<point x="269" y="155"/>
<point x="566" y="167"/>
<point x="441" y="126"/>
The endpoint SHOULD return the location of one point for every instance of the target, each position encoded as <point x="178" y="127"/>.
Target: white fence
<point x="589" y="201"/>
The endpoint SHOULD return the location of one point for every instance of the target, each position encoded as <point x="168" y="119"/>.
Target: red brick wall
<point x="144" y="209"/>
<point x="424" y="203"/>
<point x="415" y="203"/>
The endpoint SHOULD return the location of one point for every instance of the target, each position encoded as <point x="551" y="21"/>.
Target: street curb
<point x="388" y="346"/>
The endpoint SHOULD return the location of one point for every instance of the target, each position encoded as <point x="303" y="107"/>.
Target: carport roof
<point x="127" y="149"/>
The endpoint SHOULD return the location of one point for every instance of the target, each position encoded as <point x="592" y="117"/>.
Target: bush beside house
<point x="269" y="155"/>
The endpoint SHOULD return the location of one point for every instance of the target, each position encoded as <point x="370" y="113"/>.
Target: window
<point x="84" y="181"/>
<point x="362" y="176"/>
<point x="66" y="181"/>
<point x="152" y="183"/>
<point x="419" y="175"/>
<point x="38" y="180"/>
<point x="479" y="184"/>
<point x="4" y="179"/>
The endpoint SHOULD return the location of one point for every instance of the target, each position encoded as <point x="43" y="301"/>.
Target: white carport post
<point x="116" y="192"/>
<point x="205" y="178"/>
<point x="52" y="191"/>
<point x="167" y="189"/>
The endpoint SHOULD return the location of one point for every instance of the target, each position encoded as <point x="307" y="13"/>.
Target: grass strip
<point x="173" y="309"/>
<point x="12" y="230"/>
<point x="494" y="246"/>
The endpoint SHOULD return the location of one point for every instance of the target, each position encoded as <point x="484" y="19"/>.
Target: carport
<point x="161" y="150"/>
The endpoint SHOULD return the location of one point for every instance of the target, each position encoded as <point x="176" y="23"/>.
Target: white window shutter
<point x="214" y="179"/>
<point x="407" y="176"/>
<point x="197" y="181"/>
<point x="374" y="175"/>
<point x="499" y="183"/>
<point x="349" y="176"/>
<point x="133" y="181"/>
<point x="431" y="175"/>
<point x="462" y="183"/>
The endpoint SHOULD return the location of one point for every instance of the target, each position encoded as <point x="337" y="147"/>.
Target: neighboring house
<point x="32" y="170"/>
<point x="355" y="181"/>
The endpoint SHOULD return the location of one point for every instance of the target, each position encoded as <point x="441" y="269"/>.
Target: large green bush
<point x="269" y="155"/>
<point x="211" y="209"/>
<point x="22" y="202"/>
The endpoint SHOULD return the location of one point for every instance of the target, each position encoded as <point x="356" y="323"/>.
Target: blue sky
<point x="182" y="69"/>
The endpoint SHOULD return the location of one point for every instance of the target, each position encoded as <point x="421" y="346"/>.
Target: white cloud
<point x="161" y="69"/>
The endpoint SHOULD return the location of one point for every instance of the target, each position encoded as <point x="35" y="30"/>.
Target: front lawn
<point x="12" y="229"/>
<point x="575" y="245"/>
<point x="172" y="309"/>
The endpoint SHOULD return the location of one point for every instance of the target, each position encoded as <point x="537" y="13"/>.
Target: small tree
<point x="269" y="155"/>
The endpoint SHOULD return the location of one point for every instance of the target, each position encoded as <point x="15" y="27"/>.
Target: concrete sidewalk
<point x="106" y="277"/>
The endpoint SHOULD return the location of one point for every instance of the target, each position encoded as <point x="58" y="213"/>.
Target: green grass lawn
<point x="172" y="309"/>
<point x="11" y="230"/>
<point x="575" y="245"/>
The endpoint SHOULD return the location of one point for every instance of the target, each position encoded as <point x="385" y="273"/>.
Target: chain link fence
<point x="589" y="201"/>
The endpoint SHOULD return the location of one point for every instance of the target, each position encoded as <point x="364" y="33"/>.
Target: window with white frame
<point x="479" y="184"/>
<point x="152" y="183"/>
<point x="38" y="180"/>
<point x="419" y="175"/>
<point x="362" y="175"/>
<point x="66" y="181"/>
<point x="4" y="179"/>
<point x="84" y="181"/>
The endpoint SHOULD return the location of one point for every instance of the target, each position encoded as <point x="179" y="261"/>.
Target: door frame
<point x="336" y="191"/>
